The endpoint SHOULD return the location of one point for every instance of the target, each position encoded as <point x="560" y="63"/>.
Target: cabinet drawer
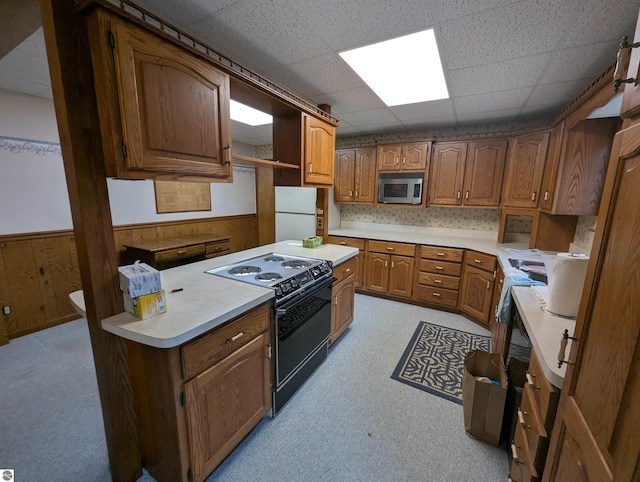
<point x="352" y="242"/>
<point x="483" y="261"/>
<point x="544" y="393"/>
<point x="536" y="434"/>
<point x="437" y="295"/>
<point x="439" y="281"/>
<point x="440" y="267"/>
<point x="392" y="248"/>
<point x="445" y="254"/>
<point x="522" y="464"/>
<point x="217" y="248"/>
<point x="203" y="352"/>
<point x="179" y="253"/>
<point x="345" y="269"/>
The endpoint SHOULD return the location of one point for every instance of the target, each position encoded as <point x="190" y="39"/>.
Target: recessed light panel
<point x="403" y="70"/>
<point x="248" y="115"/>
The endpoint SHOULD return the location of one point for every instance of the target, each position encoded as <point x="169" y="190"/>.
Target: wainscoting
<point x="39" y="270"/>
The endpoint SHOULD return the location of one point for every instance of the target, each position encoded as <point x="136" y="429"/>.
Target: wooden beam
<point x="18" y="20"/>
<point x="67" y="44"/>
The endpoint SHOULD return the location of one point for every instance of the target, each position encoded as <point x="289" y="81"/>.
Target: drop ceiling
<point x="504" y="61"/>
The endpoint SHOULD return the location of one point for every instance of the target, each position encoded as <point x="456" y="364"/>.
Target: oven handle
<point x="282" y="310"/>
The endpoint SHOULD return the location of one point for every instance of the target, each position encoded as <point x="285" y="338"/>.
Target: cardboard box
<point x="312" y="242"/>
<point x="139" y="279"/>
<point x="146" y="306"/>
<point x="482" y="401"/>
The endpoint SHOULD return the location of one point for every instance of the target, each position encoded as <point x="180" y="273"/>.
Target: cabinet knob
<point x="350" y="193"/>
<point x="437" y="295"/>
<point x="440" y="254"/>
<point x="235" y="337"/>
<point x="343" y="243"/>
<point x="439" y="268"/>
<point x="533" y="196"/>
<point x="477" y="261"/>
<point x="514" y="453"/>
<point x="529" y="378"/>
<point x="182" y="251"/>
<point x="522" y="421"/>
<point x="397" y="161"/>
<point x="311" y="168"/>
<point x="356" y="193"/>
<point x="546" y="195"/>
<point x="348" y="270"/>
<point x="459" y="194"/>
<point x="404" y="161"/>
<point x="386" y="263"/>
<point x="390" y="248"/>
<point x="439" y="281"/>
<point x="466" y="196"/>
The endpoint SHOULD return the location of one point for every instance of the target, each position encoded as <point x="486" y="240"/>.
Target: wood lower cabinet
<point x="343" y="293"/>
<point x="149" y="92"/>
<point x="524" y="170"/>
<point x="400" y="157"/>
<point x="195" y="402"/>
<point x="390" y="274"/>
<point x="500" y="336"/>
<point x="477" y="285"/>
<point x="359" y="259"/>
<point x="355" y="175"/>
<point x="439" y="276"/>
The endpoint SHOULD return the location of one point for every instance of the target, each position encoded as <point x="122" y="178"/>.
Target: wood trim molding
<point x="123" y="227"/>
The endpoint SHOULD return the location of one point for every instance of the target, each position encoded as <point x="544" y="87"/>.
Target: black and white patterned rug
<point x="433" y="360"/>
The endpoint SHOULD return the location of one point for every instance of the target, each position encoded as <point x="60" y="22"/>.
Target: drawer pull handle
<point x="510" y="479"/>
<point x="475" y="260"/>
<point x="235" y="337"/>
<point x="458" y="194"/>
<point x="522" y="421"/>
<point x="389" y="248"/>
<point x="563" y="348"/>
<point x="357" y="193"/>
<point x="348" y="270"/>
<point x="182" y="251"/>
<point x="439" y="267"/>
<point x="546" y="195"/>
<point x="440" y="254"/>
<point x="466" y="196"/>
<point x="488" y="284"/>
<point x="437" y="295"/>
<point x="343" y="243"/>
<point x="514" y="453"/>
<point x="533" y="196"/>
<point x="529" y="378"/>
<point x="439" y="281"/>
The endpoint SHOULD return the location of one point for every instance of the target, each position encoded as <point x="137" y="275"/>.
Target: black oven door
<point x="302" y="325"/>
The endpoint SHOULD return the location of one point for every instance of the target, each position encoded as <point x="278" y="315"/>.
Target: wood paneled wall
<point x="39" y="270"/>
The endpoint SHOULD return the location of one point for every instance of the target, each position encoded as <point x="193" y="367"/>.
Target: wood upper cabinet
<point x="525" y="166"/>
<point x="399" y="157"/>
<point x="595" y="435"/>
<point x="163" y="111"/>
<point x="631" y="97"/>
<point x="576" y="166"/>
<point x="306" y="141"/>
<point x="467" y="174"/>
<point x="355" y="175"/>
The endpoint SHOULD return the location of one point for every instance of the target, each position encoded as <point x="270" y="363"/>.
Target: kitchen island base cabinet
<point x="195" y="402"/>
<point x="343" y="293"/>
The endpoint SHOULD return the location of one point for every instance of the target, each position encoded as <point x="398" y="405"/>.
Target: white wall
<point x="33" y="190"/>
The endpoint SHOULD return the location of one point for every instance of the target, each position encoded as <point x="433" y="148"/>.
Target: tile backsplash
<point x="585" y="231"/>
<point x="437" y="217"/>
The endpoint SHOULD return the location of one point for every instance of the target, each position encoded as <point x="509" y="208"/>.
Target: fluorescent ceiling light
<point x="249" y="115"/>
<point x="403" y="70"/>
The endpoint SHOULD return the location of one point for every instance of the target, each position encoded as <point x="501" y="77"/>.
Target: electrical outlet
<point x="319" y="222"/>
<point x="6" y="310"/>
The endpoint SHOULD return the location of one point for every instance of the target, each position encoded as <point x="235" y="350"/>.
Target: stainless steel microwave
<point x="400" y="188"/>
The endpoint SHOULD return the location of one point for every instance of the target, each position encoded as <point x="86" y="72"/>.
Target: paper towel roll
<point x="566" y="273"/>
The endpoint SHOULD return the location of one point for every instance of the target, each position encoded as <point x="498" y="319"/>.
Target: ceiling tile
<point x="492" y="101"/>
<point x="548" y="111"/>
<point x="365" y="118"/>
<point x="506" y="115"/>
<point x="343" y="24"/>
<point x="423" y="110"/>
<point x="184" y="12"/>
<point x="501" y="34"/>
<point x="506" y="75"/>
<point x="558" y="93"/>
<point x="345" y="129"/>
<point x="450" y="9"/>
<point x="446" y="121"/>
<point x="350" y="100"/>
<point x="570" y="64"/>
<point x="599" y="21"/>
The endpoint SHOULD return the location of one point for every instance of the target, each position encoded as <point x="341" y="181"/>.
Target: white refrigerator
<point x="295" y="213"/>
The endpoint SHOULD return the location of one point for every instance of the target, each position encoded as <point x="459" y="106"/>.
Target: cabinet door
<point x="550" y="176"/>
<point x="365" y="175"/>
<point x="595" y="435"/>
<point x="447" y="173"/>
<point x="483" y="173"/>
<point x="416" y="155"/>
<point x="225" y="402"/>
<point x="631" y="97"/>
<point x="378" y="272"/>
<point x="342" y="313"/>
<point x="344" y="182"/>
<point x="401" y="276"/>
<point x="477" y="290"/>
<point x="389" y="157"/>
<point x="499" y="335"/>
<point x="174" y="108"/>
<point x="319" y="149"/>
<point x="525" y="166"/>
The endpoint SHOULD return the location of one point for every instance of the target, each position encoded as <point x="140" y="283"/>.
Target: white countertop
<point x="545" y="331"/>
<point x="206" y="301"/>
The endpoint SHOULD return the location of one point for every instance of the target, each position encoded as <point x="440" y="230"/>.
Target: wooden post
<point x="67" y="44"/>
<point x="265" y="205"/>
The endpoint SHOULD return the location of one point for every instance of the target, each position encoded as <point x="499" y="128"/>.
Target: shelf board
<point x="252" y="161"/>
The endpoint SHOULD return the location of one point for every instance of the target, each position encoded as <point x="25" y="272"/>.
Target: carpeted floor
<point x="434" y="360"/>
<point x="349" y="422"/>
